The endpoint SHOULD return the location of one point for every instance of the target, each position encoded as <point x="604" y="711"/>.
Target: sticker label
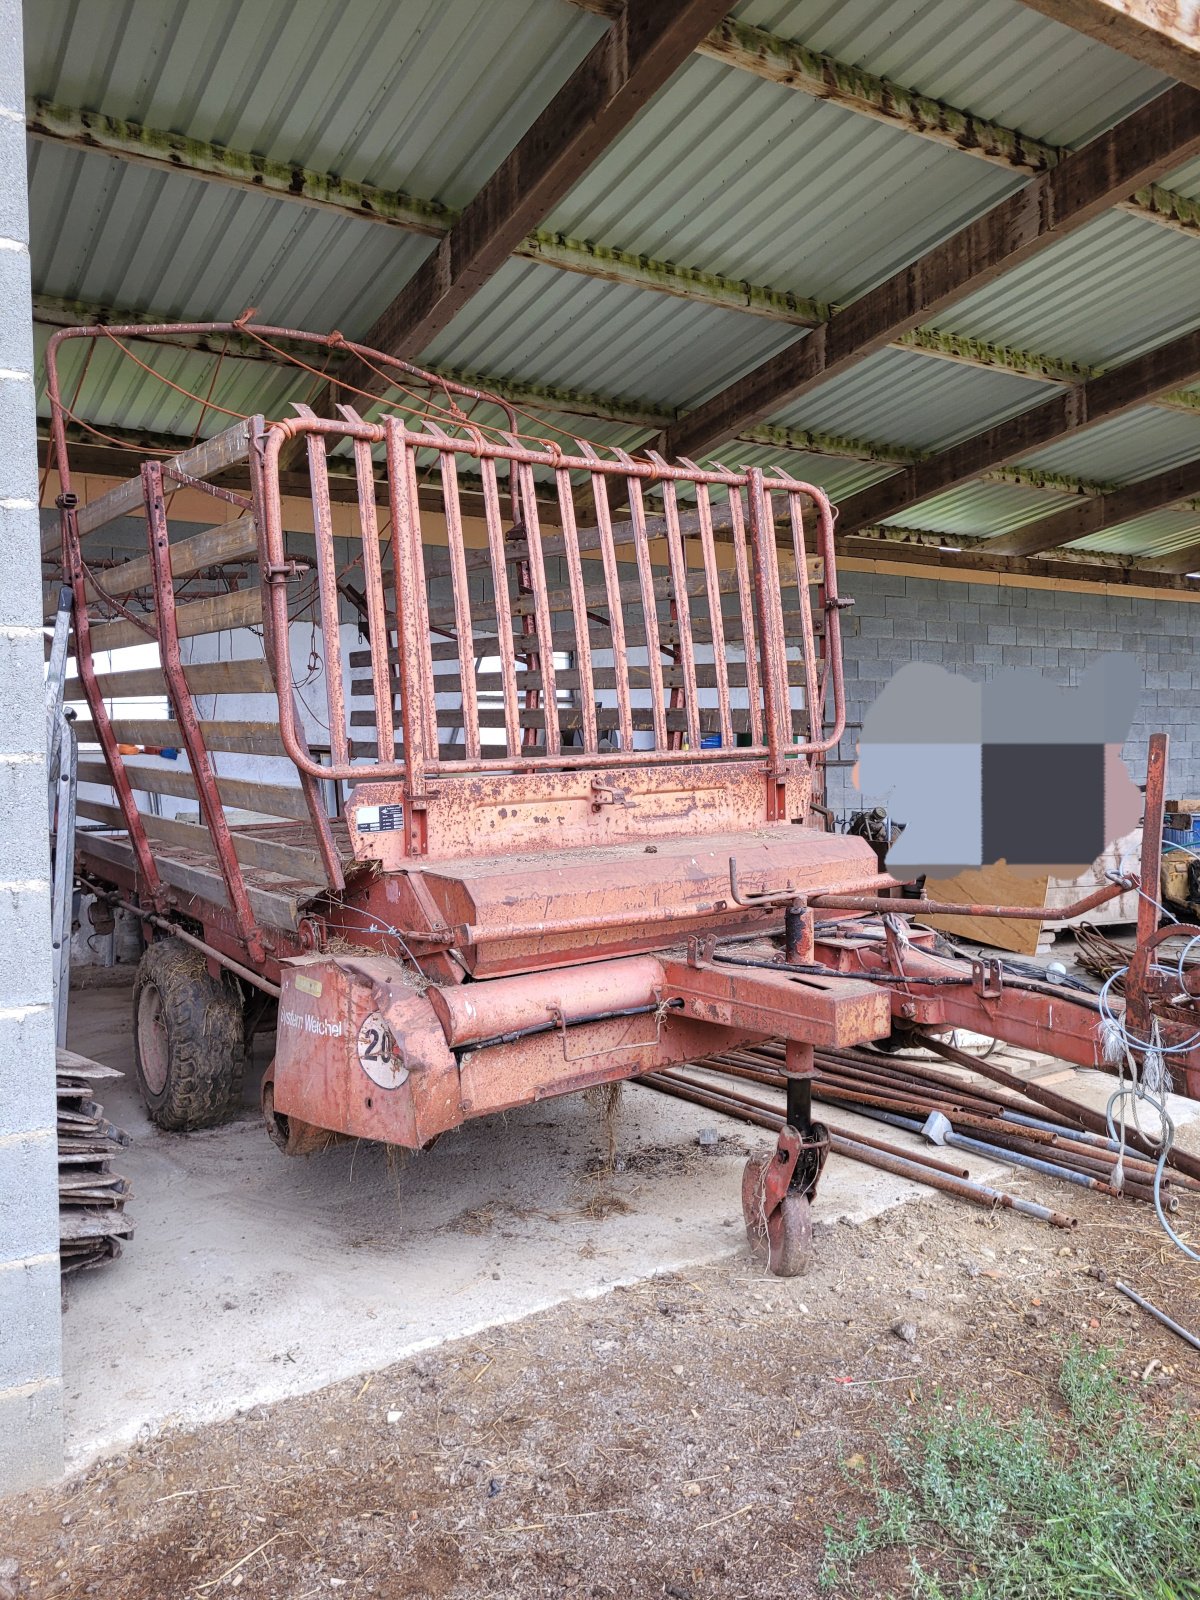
<point x="378" y="1054"/>
<point x="308" y="985"/>
<point x="379" y="819"/>
<point x="321" y="1027"/>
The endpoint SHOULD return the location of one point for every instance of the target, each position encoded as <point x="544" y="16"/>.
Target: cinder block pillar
<point x="30" y="1335"/>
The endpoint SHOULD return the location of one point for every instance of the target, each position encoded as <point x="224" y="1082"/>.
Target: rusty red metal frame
<point x="211" y="807"/>
<point x="421" y="760"/>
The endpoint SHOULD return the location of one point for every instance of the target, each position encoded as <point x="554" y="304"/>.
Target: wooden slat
<point x="271" y="798"/>
<point x="275" y="902"/>
<point x="228" y="541"/>
<point x="289" y="861"/>
<point x="201" y="461"/>
<point x="252" y="676"/>
<point x="241" y="608"/>
<point x="248" y="738"/>
<point x="570" y="678"/>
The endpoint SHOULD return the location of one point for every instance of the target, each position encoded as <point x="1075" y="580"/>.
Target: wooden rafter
<point x="1157" y="137"/>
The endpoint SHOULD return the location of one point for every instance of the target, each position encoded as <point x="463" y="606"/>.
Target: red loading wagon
<point x="566" y="824"/>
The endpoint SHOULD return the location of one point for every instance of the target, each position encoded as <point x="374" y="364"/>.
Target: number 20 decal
<point x="378" y="1054"/>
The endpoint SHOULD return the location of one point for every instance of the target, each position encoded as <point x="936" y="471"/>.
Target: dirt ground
<point x="686" y="1437"/>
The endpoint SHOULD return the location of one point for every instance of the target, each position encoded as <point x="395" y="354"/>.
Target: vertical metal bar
<point x="462" y="604"/>
<point x="377" y="623"/>
<point x="327" y="591"/>
<point x="770" y="617"/>
<point x="616" y="617"/>
<point x="708" y="548"/>
<point x="583" y="642"/>
<point x="641" y="544"/>
<point x="504" y="616"/>
<point x="268" y="524"/>
<point x="687" y="653"/>
<point x="414" y="659"/>
<point x="831" y="608"/>
<point x="211" y="808"/>
<point x="746" y="606"/>
<point x="1152" y="832"/>
<point x="808" y="639"/>
<point x="541" y="608"/>
<point x="419" y="601"/>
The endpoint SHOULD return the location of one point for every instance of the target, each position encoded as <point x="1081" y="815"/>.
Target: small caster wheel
<point x="789" y="1237"/>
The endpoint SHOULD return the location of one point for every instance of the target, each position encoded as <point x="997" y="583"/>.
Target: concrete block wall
<point x="30" y="1343"/>
<point x="981" y="629"/>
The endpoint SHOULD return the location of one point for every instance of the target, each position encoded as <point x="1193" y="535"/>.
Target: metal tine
<point x="543" y="627"/>
<point x="327" y="590"/>
<point x="460" y="584"/>
<point x="641" y="545"/>
<point x="787" y="720"/>
<point x="504" y="616"/>
<point x="808" y="640"/>
<point x="708" y="547"/>
<point x="766" y="582"/>
<point x="421" y="600"/>
<point x="683" y="612"/>
<point x="368" y="523"/>
<point x="579" y="618"/>
<point x="746" y="608"/>
<point x="612" y="584"/>
<point x="412" y="650"/>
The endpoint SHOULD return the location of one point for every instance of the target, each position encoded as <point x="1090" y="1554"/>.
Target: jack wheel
<point x="189" y="1039"/>
<point x="787" y="1232"/>
<point x="790" y="1238"/>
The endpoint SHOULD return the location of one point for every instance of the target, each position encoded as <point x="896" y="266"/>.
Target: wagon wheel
<point x="189" y="1039"/>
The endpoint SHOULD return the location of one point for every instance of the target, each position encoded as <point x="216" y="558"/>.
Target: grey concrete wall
<point x="30" y="1342"/>
<point x="980" y="629"/>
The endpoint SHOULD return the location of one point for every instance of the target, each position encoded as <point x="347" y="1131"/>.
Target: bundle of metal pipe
<point x="911" y="1164"/>
<point x="1063" y="1142"/>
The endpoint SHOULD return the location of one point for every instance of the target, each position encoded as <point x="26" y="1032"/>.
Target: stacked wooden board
<point x="91" y="1196"/>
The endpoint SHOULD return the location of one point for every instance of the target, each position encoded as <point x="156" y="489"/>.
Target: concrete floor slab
<point x="253" y="1275"/>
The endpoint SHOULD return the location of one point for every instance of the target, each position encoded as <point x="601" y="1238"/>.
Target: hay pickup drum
<point x="544" y="810"/>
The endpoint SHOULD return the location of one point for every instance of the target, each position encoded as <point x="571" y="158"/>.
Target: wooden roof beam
<point x="1165" y="37"/>
<point x="1068" y="412"/>
<point x="642" y="48"/>
<point x="1160" y="135"/>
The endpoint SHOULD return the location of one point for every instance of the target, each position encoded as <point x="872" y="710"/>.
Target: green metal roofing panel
<point x="898" y="397"/>
<point x="725" y="172"/>
<point x="112" y="233"/>
<point x="1117" y="287"/>
<point x="1158" y="533"/>
<point x="428" y="95"/>
<point x="1125" y="448"/>
<point x="998" y="60"/>
<point x="583" y="333"/>
<point x="982" y="510"/>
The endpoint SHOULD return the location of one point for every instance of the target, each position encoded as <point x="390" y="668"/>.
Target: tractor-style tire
<point x="189" y="1039"/>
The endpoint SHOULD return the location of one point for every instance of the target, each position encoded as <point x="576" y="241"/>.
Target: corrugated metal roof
<point x="1157" y="534"/>
<point x="728" y="173"/>
<point x="998" y="60"/>
<point x="114" y="234"/>
<point x="982" y="510"/>
<point x="721" y="171"/>
<point x="1125" y="448"/>
<point x="901" y="398"/>
<point x="1117" y="287"/>
<point x="429" y="95"/>
<point x="582" y="333"/>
